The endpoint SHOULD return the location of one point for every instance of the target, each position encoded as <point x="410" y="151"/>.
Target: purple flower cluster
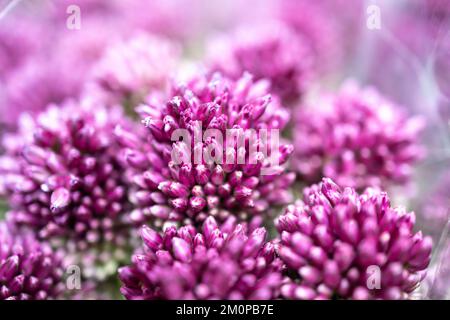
<point x="14" y="53"/>
<point x="116" y="123"/>
<point x="318" y="31"/>
<point x="62" y="177"/>
<point x="188" y="191"/>
<point x="51" y="76"/>
<point x="226" y="262"/>
<point x="358" y="138"/>
<point x="29" y="270"/>
<point x="287" y="59"/>
<point x="338" y="244"/>
<point x="133" y="67"/>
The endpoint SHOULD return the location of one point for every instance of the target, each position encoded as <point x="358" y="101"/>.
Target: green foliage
<point x="3" y="209"/>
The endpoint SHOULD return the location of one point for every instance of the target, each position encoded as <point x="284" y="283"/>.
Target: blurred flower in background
<point x="436" y="211"/>
<point x="17" y="46"/>
<point x="358" y="138"/>
<point x="287" y="57"/>
<point x="331" y="33"/>
<point x="129" y="70"/>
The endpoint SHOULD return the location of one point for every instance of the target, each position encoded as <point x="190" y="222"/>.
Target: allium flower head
<point x="16" y="47"/>
<point x="215" y="263"/>
<point x="177" y="19"/>
<point x="339" y="244"/>
<point x="29" y="270"/>
<point x="182" y="188"/>
<point x="137" y="65"/>
<point x="358" y="138"/>
<point x="51" y="76"/>
<point x="271" y="51"/>
<point x="31" y="88"/>
<point x="62" y="177"/>
<point x="317" y="25"/>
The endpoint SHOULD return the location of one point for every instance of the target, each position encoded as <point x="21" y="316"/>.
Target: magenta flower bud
<point x="60" y="199"/>
<point x="151" y="238"/>
<point x="71" y="188"/>
<point x="29" y="269"/>
<point x="371" y="141"/>
<point x="330" y="252"/>
<point x="212" y="264"/>
<point x="191" y="188"/>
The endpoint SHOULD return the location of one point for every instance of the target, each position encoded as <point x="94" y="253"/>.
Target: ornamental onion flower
<point x="28" y="90"/>
<point x="358" y="138"/>
<point x="181" y="187"/>
<point x="29" y="270"/>
<point x="136" y="66"/>
<point x="178" y="19"/>
<point x="338" y="244"/>
<point x="316" y="23"/>
<point x="16" y="47"/>
<point x="62" y="177"/>
<point x="215" y="263"/>
<point x="271" y="51"/>
<point x="51" y="76"/>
